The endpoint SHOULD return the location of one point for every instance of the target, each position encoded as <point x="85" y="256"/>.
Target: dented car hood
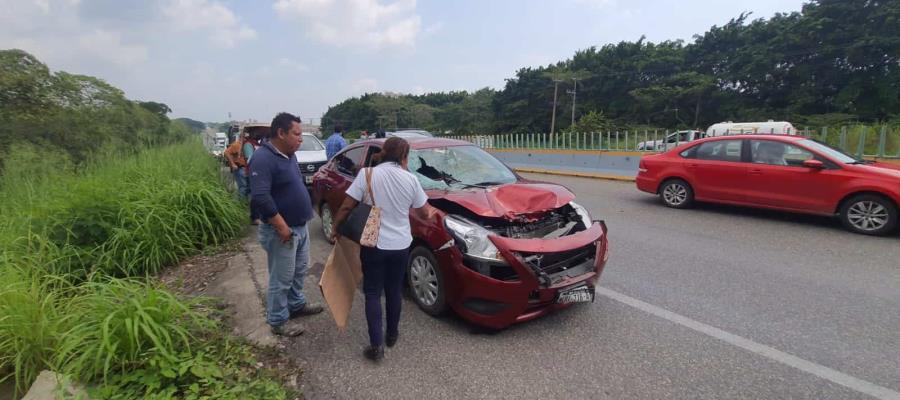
<point x="510" y="200"/>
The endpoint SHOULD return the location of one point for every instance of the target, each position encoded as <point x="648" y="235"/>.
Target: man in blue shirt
<point x="278" y="195"/>
<point x="335" y="142"/>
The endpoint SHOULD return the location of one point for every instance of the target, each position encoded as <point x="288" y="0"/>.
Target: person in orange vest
<point x="234" y="155"/>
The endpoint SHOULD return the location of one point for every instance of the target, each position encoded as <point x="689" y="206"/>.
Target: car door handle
<point x="755" y="172"/>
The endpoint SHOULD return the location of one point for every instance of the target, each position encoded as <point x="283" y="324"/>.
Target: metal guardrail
<point x="882" y="142"/>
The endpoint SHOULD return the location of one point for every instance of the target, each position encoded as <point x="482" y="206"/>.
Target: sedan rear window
<point x="720" y="150"/>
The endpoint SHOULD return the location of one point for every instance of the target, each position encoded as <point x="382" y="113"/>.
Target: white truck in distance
<point x="670" y="141"/>
<point x="720" y="129"/>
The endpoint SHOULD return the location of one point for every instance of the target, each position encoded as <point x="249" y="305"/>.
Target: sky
<point x="252" y="59"/>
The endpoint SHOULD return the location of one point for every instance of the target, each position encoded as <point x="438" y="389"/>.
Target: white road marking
<point x="821" y="371"/>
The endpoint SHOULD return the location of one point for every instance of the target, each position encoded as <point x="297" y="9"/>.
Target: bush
<point x="69" y="241"/>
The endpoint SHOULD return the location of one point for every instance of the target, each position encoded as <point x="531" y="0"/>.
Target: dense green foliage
<point x="128" y="216"/>
<point x="97" y="193"/>
<point x="70" y="243"/>
<point x="74" y="113"/>
<point x="836" y="61"/>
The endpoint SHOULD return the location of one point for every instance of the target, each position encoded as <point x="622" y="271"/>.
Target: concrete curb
<point x="592" y="175"/>
<point x="239" y="286"/>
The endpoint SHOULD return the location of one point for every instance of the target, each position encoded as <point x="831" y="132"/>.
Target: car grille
<point x="310" y="168"/>
<point x="551" y="263"/>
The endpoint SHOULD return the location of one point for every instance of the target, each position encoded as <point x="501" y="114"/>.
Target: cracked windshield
<point x="458" y="166"/>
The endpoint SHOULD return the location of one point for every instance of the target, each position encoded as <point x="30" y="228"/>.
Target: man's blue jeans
<point x="242" y="181"/>
<point x="288" y="264"/>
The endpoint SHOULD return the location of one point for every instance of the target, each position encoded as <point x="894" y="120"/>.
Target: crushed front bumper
<point x="543" y="268"/>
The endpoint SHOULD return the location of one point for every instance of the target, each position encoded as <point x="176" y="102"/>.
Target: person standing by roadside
<point x="247" y="150"/>
<point x="279" y="196"/>
<point x="395" y="191"/>
<point x="335" y="142"/>
<point x="237" y="163"/>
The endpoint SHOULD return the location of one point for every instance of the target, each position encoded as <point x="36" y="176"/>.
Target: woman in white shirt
<point x="396" y="191"/>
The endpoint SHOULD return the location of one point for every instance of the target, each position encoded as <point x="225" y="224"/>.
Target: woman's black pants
<point x="383" y="271"/>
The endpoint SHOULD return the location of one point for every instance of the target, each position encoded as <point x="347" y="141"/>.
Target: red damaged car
<point x="501" y="250"/>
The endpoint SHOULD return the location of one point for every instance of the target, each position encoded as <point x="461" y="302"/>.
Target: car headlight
<point x="473" y="237"/>
<point x="583" y="213"/>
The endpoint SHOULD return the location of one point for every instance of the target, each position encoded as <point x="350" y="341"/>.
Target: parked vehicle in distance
<point x="501" y="249"/>
<point x="782" y="172"/>
<point x="310" y="157"/>
<point x="409" y="133"/>
<point x="671" y="140"/>
<point x="758" y="128"/>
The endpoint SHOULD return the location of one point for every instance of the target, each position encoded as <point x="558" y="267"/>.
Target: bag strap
<point x="369" y="184"/>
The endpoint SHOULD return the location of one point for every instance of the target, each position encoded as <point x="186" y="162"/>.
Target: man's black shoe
<point x="307" y="309"/>
<point x="374" y="353"/>
<point x="391" y="340"/>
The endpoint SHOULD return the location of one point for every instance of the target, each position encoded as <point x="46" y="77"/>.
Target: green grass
<point x="77" y="254"/>
<point x="124" y="217"/>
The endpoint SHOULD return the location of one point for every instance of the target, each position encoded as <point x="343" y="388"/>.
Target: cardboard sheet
<point x="341" y="277"/>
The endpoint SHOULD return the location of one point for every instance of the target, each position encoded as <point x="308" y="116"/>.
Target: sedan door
<point x="777" y="178"/>
<point x="716" y="172"/>
<point x="339" y="174"/>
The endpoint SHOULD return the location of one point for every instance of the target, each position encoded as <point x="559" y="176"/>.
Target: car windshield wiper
<point x="482" y="184"/>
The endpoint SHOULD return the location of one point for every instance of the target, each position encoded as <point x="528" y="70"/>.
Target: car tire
<point x="676" y="193"/>
<point x="327" y="220"/>
<point x="869" y="214"/>
<point x="426" y="282"/>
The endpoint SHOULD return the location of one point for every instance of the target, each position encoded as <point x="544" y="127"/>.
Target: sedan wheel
<point x="869" y="214"/>
<point x="676" y="193"/>
<point x="426" y="281"/>
<point x="326" y="222"/>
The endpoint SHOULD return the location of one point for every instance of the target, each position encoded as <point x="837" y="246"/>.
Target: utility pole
<point x="553" y="117"/>
<point x="574" y="93"/>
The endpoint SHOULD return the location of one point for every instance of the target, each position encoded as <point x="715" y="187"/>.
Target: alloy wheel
<point x="424" y="281"/>
<point x="867" y="215"/>
<point x="675" y="194"/>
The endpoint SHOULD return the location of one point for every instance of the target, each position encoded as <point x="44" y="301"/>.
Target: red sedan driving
<point x="790" y="173"/>
<point x="501" y="249"/>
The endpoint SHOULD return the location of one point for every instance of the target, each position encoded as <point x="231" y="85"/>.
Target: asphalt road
<point x="711" y="303"/>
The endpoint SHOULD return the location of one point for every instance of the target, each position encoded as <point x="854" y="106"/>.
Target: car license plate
<point x="308" y="179"/>
<point x="581" y="294"/>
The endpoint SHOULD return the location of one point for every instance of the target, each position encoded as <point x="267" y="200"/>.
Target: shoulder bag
<point x="364" y="221"/>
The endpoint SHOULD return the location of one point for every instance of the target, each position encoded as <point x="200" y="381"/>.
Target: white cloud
<point x="108" y="46"/>
<point x="364" y="85"/>
<point x="224" y="27"/>
<point x="292" y="65"/>
<point x="52" y="31"/>
<point x="596" y="3"/>
<point x="360" y="23"/>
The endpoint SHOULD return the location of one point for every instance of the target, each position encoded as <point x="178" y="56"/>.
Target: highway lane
<point x="686" y="303"/>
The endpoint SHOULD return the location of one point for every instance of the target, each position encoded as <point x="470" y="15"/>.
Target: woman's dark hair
<point x="395" y="149"/>
<point x="282" y="121"/>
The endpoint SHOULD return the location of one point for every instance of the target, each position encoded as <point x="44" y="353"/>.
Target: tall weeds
<point x="76" y="249"/>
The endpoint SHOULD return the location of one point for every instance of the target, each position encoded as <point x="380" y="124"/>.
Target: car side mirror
<point x="814" y="164"/>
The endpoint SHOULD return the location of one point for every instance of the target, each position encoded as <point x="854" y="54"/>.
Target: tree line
<point x="833" y="62"/>
<point x="65" y="118"/>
